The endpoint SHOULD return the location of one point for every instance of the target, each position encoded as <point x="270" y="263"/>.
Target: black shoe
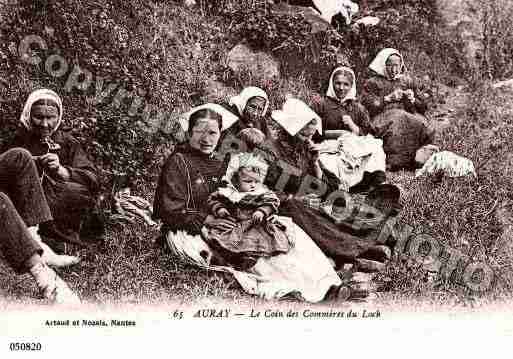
<point x="50" y="230"/>
<point x="385" y="197"/>
<point x="369" y="181"/>
<point x="57" y="246"/>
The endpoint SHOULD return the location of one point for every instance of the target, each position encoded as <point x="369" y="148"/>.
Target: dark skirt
<point x="245" y="243"/>
<point x="69" y="203"/>
<point x="403" y="133"/>
<point x="339" y="241"/>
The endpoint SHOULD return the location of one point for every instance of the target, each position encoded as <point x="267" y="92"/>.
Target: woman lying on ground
<point x="69" y="178"/>
<point x="295" y="169"/>
<point x="187" y="179"/>
<point x="23" y="204"/>
<point x="356" y="161"/>
<point x="397" y="107"/>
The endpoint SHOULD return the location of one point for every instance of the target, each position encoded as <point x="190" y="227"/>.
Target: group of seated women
<point x="245" y="210"/>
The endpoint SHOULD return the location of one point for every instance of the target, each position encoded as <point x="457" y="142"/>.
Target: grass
<point x="163" y="58"/>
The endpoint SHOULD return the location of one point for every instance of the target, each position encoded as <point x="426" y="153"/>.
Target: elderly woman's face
<point x="393" y="66"/>
<point x="254" y="109"/>
<point x="342" y="84"/>
<point x="44" y="119"/>
<point x="273" y="129"/>
<point x="205" y="135"/>
<point x="309" y="130"/>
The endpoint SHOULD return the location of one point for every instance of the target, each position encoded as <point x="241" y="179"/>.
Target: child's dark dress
<point x="244" y="244"/>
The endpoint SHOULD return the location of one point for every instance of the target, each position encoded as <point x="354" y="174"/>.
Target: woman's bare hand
<point x="410" y="95"/>
<point x="348" y="121"/>
<point x="50" y="161"/>
<point x="395" y="96"/>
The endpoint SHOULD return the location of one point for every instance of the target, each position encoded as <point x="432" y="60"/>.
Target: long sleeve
<point x="80" y="167"/>
<point x="420" y="98"/>
<point x="419" y="106"/>
<point x="215" y="203"/>
<point x="331" y="180"/>
<point x="71" y="155"/>
<point x="362" y="119"/>
<point x="171" y="199"/>
<point x="269" y="203"/>
<point x="372" y="97"/>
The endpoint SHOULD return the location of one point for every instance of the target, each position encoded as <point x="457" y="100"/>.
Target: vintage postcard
<point x="300" y="177"/>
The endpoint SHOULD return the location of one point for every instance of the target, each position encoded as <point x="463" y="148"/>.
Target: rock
<point x="367" y="287"/>
<point x="242" y="59"/>
<point x="369" y="266"/>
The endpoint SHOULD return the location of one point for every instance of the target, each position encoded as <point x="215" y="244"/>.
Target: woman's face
<point x="254" y="109"/>
<point x="309" y="130"/>
<point x="342" y="84"/>
<point x="205" y="135"/>
<point x="273" y="129"/>
<point x="393" y="66"/>
<point x="44" y="119"/>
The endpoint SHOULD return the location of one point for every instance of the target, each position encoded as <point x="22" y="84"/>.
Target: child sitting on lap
<point x="251" y="205"/>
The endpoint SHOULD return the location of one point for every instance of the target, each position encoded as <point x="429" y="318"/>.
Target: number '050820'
<point x="14" y="347"/>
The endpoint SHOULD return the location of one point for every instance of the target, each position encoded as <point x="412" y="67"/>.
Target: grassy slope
<point x="129" y="269"/>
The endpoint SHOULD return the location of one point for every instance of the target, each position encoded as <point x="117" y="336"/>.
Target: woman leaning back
<point x="295" y="169"/>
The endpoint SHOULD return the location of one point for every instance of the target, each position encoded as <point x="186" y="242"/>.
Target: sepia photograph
<point x="315" y="176"/>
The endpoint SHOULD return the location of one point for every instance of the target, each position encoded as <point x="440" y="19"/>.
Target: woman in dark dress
<point x="251" y="107"/>
<point x="187" y="178"/>
<point x="397" y="107"/>
<point x="340" y="108"/>
<point x="68" y="176"/>
<point x="295" y="171"/>
<point x="341" y="111"/>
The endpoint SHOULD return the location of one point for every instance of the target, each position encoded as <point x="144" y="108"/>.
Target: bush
<point x="414" y="28"/>
<point x="160" y="57"/>
<point x="497" y="61"/>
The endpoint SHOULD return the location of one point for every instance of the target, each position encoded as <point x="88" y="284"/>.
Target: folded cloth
<point x="350" y="156"/>
<point x="368" y="21"/>
<point x="447" y="163"/>
<point x="133" y="206"/>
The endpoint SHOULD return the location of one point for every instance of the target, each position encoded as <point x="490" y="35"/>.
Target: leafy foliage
<point x="160" y="66"/>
